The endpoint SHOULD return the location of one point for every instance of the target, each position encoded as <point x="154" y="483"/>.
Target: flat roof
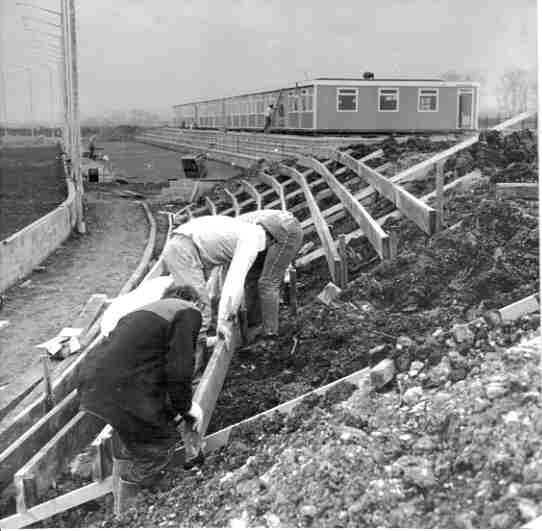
<point x="347" y="81"/>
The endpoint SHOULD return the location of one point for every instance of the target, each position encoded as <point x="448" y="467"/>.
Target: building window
<point x="347" y="100"/>
<point x="388" y="100"/>
<point x="427" y="100"/>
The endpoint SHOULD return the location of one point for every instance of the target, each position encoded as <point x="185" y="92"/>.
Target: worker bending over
<point x="139" y="380"/>
<point x="259" y="245"/>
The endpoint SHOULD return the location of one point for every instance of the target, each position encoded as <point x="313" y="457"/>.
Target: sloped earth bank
<point x="401" y="310"/>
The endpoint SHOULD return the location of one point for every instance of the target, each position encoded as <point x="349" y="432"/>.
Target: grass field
<point x="138" y="162"/>
<point x="31" y="185"/>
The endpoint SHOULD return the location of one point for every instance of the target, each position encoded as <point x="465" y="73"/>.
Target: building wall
<point x="369" y="118"/>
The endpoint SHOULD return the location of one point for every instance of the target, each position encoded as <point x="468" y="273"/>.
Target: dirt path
<point x="99" y="262"/>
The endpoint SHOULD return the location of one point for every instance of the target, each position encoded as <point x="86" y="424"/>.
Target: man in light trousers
<point x="258" y="247"/>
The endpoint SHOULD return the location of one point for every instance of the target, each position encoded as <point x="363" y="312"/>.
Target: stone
<point x="424" y="444"/>
<point x="413" y="395"/>
<point x="440" y="373"/>
<point x="272" y="520"/>
<point x="415" y="368"/>
<point x="500" y="521"/>
<point x="308" y="510"/>
<point x="495" y="390"/>
<point x="404" y="342"/>
<point x="527" y="509"/>
<point x="329" y="293"/>
<point x="382" y="373"/>
<point x="463" y="334"/>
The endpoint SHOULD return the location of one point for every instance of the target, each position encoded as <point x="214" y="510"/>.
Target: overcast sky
<point x="153" y="54"/>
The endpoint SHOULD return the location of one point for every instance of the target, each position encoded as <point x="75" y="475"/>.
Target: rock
<point x="271" y="520"/>
<point x="240" y="522"/>
<point x="424" y="444"/>
<point x="495" y="389"/>
<point x="329" y="294"/>
<point x="415" y="368"/>
<point x="463" y="334"/>
<point x="404" y="342"/>
<point x="412" y="395"/>
<point x="511" y="416"/>
<point x="382" y="373"/>
<point x="481" y="404"/>
<point x="441" y="372"/>
<point x="527" y="509"/>
<point x="500" y="521"/>
<point x="248" y="487"/>
<point x="308" y="510"/>
<point x="463" y="520"/>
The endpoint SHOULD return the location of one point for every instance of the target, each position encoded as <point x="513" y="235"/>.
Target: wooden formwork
<point x="222" y="355"/>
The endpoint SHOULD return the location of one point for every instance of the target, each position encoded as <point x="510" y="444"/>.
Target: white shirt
<point x="223" y="240"/>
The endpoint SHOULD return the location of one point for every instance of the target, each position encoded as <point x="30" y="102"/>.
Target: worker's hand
<point x="211" y="341"/>
<point x="195" y="415"/>
<point x="223" y="330"/>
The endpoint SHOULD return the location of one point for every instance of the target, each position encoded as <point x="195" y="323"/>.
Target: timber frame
<point x="37" y="439"/>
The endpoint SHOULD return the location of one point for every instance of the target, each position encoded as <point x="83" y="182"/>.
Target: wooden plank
<point x="220" y="438"/>
<point x="58" y="505"/>
<point x="528" y="191"/>
<point x="102" y="454"/>
<point x="466" y="180"/>
<point x="514" y="120"/>
<point x="439" y="191"/>
<point x="420" y="213"/>
<point x="251" y="190"/>
<point x="519" y="308"/>
<point x="332" y="256"/>
<point x="344" y="261"/>
<point x="23" y="385"/>
<point x="213" y="377"/>
<point x="40" y="472"/>
<point x="275" y="185"/>
<point x="210" y="205"/>
<point x="23" y="448"/>
<point x="234" y="201"/>
<point x="378" y="238"/>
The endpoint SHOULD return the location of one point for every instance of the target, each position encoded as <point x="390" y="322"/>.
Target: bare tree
<point x="513" y="91"/>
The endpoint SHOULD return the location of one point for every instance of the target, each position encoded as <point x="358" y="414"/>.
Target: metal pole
<point x="81" y="228"/>
<point x="4" y="102"/>
<point x="31" y="98"/>
<point x="65" y="78"/>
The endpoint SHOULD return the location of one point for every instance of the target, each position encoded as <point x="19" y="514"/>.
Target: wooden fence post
<point x="439" y="177"/>
<point x="292" y="289"/>
<point x="49" y="401"/>
<point x="344" y="261"/>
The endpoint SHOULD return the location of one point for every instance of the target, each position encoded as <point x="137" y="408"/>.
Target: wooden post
<point x="49" y="401"/>
<point x="440" y="195"/>
<point x="124" y="492"/>
<point x="394" y="243"/>
<point x="344" y="261"/>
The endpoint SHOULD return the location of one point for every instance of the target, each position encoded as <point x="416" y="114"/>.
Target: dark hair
<point x="187" y="293"/>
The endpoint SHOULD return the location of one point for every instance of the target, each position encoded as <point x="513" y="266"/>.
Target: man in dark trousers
<point x="268" y="117"/>
<point x="139" y="380"/>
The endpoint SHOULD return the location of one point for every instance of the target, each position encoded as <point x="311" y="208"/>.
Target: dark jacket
<point x="149" y="356"/>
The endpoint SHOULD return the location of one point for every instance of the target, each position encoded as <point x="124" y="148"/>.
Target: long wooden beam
<point x="271" y="181"/>
<point x="528" y="191"/>
<point x="59" y="504"/>
<point x="332" y="256"/>
<point x="358" y="233"/>
<point x="378" y="238"/>
<point x="420" y="213"/>
<point x="251" y="190"/>
<point x="210" y="205"/>
<point x="34" y="479"/>
<point x="234" y="201"/>
<point x="423" y="168"/>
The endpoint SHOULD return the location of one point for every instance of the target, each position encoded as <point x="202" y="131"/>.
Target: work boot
<point x="149" y="467"/>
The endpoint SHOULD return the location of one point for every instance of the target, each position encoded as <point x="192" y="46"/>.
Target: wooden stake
<point x="49" y="401"/>
<point x="440" y="195"/>
<point x="344" y="261"/>
<point x="124" y="492"/>
<point x="394" y="243"/>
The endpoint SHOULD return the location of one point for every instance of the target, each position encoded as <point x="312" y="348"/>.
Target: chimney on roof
<point x="368" y="75"/>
